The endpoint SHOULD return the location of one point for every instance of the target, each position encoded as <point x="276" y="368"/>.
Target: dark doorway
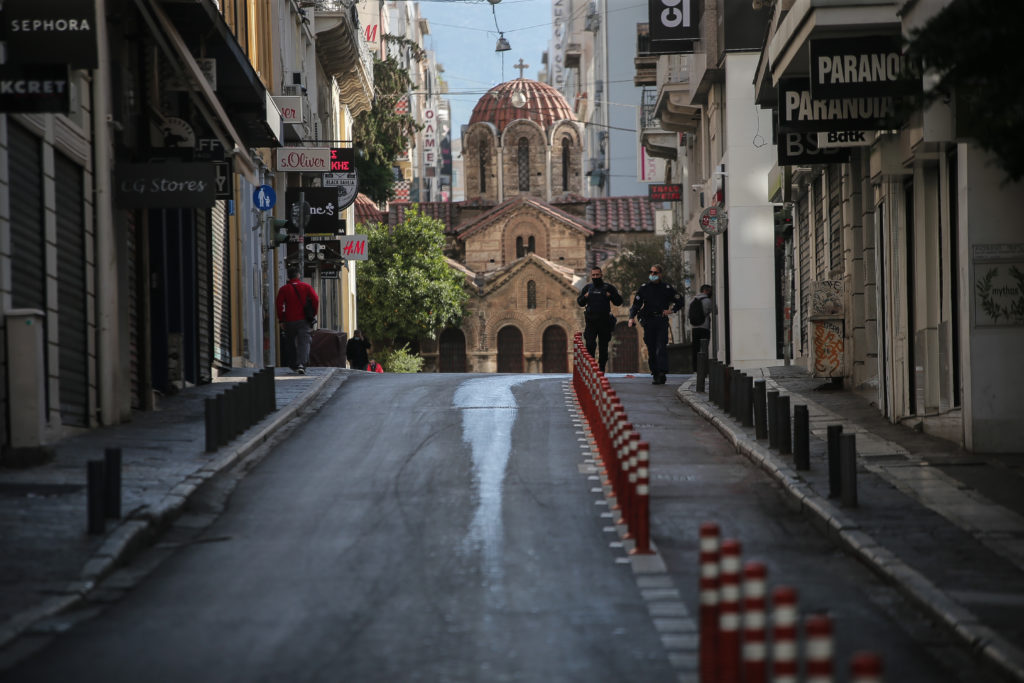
<point x="510" y="349"/>
<point x="452" y="351"/>
<point x="555" y="347"/>
<point x="625" y="350"/>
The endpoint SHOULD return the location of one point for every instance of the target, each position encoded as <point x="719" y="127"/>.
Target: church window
<point x="531" y="294"/>
<point x="531" y="244"/>
<point x="483" y="166"/>
<point x="523" y="157"/>
<point x="565" y="164"/>
<point x="520" y="251"/>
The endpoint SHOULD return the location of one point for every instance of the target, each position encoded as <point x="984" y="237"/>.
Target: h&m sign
<point x="51" y="32"/>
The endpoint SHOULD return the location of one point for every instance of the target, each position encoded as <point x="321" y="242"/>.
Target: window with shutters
<point x="72" y="319"/>
<point x="523" y="159"/>
<point x="28" y="257"/>
<point x="835" y="220"/>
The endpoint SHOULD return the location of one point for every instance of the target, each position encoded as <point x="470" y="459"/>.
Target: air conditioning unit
<point x="294" y="90"/>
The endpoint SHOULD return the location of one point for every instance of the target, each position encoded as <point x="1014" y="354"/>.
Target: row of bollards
<point x="768" y="412"/>
<point x="231" y="412"/>
<point x="103" y="489"/>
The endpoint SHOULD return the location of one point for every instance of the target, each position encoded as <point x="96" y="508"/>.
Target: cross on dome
<point x="522" y="67"/>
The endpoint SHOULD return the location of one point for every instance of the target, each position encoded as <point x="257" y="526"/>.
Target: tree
<point x="407" y="289"/>
<point x="382" y="134"/>
<point x="630" y="268"/>
<point x="972" y="46"/>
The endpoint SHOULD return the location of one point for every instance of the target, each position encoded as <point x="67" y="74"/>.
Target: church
<point x="525" y="238"/>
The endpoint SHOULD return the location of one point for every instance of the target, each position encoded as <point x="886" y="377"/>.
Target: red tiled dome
<point x="543" y="104"/>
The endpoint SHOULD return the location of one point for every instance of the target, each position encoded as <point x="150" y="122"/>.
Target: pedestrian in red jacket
<point x="374" y="366"/>
<point x="297" y="307"/>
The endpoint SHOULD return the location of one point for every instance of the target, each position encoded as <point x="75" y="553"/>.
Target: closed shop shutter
<point x="221" y="287"/>
<point x="28" y="244"/>
<point x="835" y="220"/>
<point x="204" y="298"/>
<point x="72" y="322"/>
<point x="555" y="350"/>
<point x="135" y="357"/>
<point x="820" y="230"/>
<point x="804" y="243"/>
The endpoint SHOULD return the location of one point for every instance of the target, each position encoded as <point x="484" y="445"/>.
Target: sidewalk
<point x="47" y="560"/>
<point x="943" y="525"/>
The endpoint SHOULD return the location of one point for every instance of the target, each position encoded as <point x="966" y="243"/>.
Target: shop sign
<point x="665" y="192"/>
<point x="845" y="138"/>
<point x="32" y="29"/>
<point x="321" y="211"/>
<point x="290" y="107"/>
<point x="795" y="149"/>
<point x="303" y="159"/>
<point x="714" y="220"/>
<point x="343" y="175"/>
<point x="166" y="185"/>
<point x="354" y="248"/>
<point x="871" y="66"/>
<point x="36" y="89"/>
<point x="998" y="285"/>
<point x="800" y="112"/>
<point x="673" y="25"/>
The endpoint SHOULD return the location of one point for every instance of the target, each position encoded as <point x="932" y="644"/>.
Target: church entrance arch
<point x="625" y="350"/>
<point x="555" y="350"/>
<point x="452" y="351"/>
<point x="510" y="349"/>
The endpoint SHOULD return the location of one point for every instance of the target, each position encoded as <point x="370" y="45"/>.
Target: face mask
<point x="653" y="278"/>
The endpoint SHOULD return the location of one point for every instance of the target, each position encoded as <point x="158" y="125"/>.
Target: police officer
<point x="598" y="297"/>
<point x="653" y="303"/>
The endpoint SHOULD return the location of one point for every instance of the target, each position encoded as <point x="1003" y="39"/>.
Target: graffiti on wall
<point x="828" y="348"/>
<point x="826" y="298"/>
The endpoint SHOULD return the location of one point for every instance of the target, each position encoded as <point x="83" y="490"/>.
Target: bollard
<point x="818" y="638"/>
<point x="641" y="503"/>
<point x="784" y="638"/>
<point x="773" y="411"/>
<point x="754" y="636"/>
<point x="785" y="430"/>
<point x="801" y="438"/>
<point x="212" y="424"/>
<point x="747" y="401"/>
<point x="848" y="470"/>
<point x="760" y="406"/>
<point x="702" y="365"/>
<point x="95" y="506"/>
<point x="729" y="612"/>
<point x="865" y="667"/>
<point x="708" y="602"/>
<point x="726" y="403"/>
<point x="835" y="476"/>
<point x="112" y="482"/>
<point x="221" y="410"/>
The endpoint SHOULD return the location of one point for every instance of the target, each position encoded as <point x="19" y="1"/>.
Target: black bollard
<point x="773" y="426"/>
<point x="222" y="419"/>
<point x="702" y="365"/>
<point x="95" y="502"/>
<point x="747" y="401"/>
<point x="726" y="388"/>
<point x="712" y="379"/>
<point x="785" y="428"/>
<point x="212" y="424"/>
<point x="835" y="477"/>
<point x="801" y="438"/>
<point x="760" y="406"/>
<point x="112" y="488"/>
<point x="848" y="466"/>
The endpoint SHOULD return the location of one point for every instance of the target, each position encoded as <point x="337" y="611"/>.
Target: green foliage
<point x="972" y="46"/>
<point x="381" y="135"/>
<point x="407" y="289"/>
<point x="400" y="360"/>
<point x="631" y="267"/>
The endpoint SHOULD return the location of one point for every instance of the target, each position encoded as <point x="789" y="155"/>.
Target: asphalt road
<point x="443" y="528"/>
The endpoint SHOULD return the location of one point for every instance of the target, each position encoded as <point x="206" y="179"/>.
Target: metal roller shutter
<point x="820" y="229"/>
<point x="204" y="298"/>
<point x="28" y="242"/>
<point x="221" y="264"/>
<point x="72" y="321"/>
<point x="835" y="218"/>
<point x="803" y="229"/>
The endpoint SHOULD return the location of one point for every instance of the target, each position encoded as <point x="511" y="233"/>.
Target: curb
<point x="131" y="532"/>
<point x="981" y="639"/>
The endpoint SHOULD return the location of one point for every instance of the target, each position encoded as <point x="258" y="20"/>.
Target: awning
<point x="206" y="100"/>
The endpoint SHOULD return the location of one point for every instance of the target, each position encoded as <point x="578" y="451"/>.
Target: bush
<point x="400" y="360"/>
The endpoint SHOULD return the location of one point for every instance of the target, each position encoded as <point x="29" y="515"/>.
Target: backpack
<point x="307" y="308"/>
<point x="695" y="313"/>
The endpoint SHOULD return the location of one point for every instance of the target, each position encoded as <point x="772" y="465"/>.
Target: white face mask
<point x="653" y="278"/>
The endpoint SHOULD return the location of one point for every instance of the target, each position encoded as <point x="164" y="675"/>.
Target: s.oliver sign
<point x="166" y="185"/>
<point x="51" y="32"/>
<point x="304" y="159"/>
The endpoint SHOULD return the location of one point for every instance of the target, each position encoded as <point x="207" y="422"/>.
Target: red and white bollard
<point x="729" y="612"/>
<point x="708" y="602"/>
<point x="784" y="635"/>
<point x="866" y="667"/>
<point x="820" y="648"/>
<point x="641" y="502"/>
<point x="754" y="623"/>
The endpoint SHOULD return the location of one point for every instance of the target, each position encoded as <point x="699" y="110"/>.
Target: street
<point x="442" y="527"/>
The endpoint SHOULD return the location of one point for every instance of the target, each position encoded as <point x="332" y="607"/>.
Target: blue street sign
<point x="264" y="197"/>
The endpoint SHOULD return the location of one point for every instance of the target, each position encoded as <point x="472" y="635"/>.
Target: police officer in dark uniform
<point x="653" y="303"/>
<point x="598" y="297"/>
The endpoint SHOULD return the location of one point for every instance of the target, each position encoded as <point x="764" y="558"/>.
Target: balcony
<point x="674" y="105"/>
<point x="656" y="140"/>
<point x="645" y="64"/>
<point x="343" y="54"/>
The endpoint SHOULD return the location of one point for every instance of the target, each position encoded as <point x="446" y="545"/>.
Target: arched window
<point x="531" y="294"/>
<point x="523" y="157"/>
<point x="565" y="164"/>
<point x="520" y="252"/>
<point x="483" y="166"/>
<point x="531" y="245"/>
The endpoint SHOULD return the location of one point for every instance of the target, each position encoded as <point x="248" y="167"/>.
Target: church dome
<point x="521" y="98"/>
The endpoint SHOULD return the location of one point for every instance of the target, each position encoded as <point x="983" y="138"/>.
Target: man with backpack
<point x="297" y="307"/>
<point x="699" y="317"/>
<point x="598" y="297"/>
<point x="653" y="303"/>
